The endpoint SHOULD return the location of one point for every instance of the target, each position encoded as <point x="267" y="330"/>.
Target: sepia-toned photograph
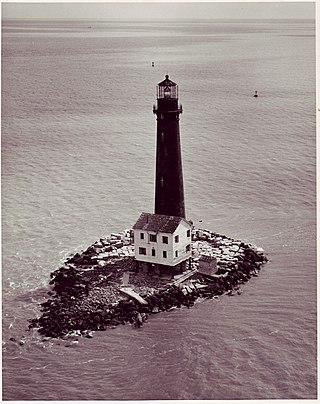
<point x="158" y="179"/>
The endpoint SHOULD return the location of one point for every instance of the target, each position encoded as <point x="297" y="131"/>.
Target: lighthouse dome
<point x="167" y="82"/>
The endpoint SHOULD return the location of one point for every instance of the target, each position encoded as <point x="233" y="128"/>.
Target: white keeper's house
<point x="162" y="242"/>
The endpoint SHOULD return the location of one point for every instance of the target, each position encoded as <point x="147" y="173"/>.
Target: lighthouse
<point x="162" y="240"/>
<point x="169" y="193"/>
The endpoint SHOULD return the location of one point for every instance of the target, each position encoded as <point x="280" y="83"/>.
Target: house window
<point x="164" y="254"/>
<point x="176" y="253"/>
<point x="153" y="237"/>
<point x="142" y="236"/>
<point x="188" y="248"/>
<point x="188" y="233"/>
<point x="165" y="239"/>
<point x="142" y="251"/>
<point x="153" y="252"/>
<point x="176" y="239"/>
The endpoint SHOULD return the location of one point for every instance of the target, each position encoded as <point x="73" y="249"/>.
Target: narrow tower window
<point x="161" y="182"/>
<point x="162" y="136"/>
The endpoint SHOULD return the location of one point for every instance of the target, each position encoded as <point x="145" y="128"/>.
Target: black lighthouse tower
<point x="169" y="194"/>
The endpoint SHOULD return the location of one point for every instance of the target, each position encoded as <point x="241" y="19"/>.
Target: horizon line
<point x="152" y="19"/>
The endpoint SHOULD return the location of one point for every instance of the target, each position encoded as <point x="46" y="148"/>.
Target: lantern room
<point x="167" y="89"/>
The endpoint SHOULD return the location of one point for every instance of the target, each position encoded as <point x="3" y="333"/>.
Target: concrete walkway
<point x="131" y="293"/>
<point x="183" y="277"/>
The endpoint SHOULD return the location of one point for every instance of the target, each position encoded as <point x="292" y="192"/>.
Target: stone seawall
<point x="87" y="293"/>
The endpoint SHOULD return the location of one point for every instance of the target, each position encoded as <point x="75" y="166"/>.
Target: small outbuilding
<point x="207" y="265"/>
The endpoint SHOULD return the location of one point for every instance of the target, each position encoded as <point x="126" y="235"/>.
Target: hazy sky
<point x="141" y="10"/>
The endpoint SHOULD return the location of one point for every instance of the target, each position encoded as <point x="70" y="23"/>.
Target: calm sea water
<point x="78" y="159"/>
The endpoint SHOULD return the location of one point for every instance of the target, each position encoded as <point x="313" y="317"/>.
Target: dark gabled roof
<point x="167" y="82"/>
<point x="158" y="223"/>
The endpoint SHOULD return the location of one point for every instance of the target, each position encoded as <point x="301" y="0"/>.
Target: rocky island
<point x="100" y="287"/>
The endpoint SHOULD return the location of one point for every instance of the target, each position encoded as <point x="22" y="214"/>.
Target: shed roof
<point x="207" y="258"/>
<point x="158" y="223"/>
